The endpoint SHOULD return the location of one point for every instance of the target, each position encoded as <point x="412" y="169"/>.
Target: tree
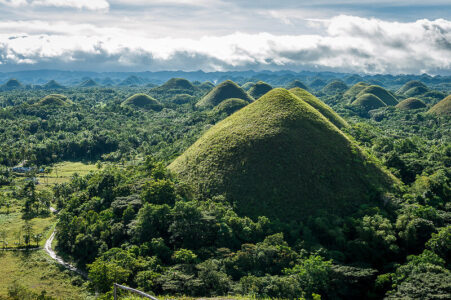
<point x="28" y="232"/>
<point x="37" y="238"/>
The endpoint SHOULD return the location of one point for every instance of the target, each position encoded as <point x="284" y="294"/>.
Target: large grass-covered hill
<point x="226" y="90"/>
<point x="142" y="101"/>
<point x="54" y="100"/>
<point x="410" y="103"/>
<point x="443" y="108"/>
<point x="281" y="158"/>
<point x="259" y="89"/>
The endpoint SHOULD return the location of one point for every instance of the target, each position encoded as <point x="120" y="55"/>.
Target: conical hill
<point x="410" y="103"/>
<point x="354" y="90"/>
<point x="259" y="89"/>
<point x="319" y="105"/>
<point x="336" y="86"/>
<point x="443" y="108"/>
<point x="54" y="100"/>
<point x="178" y="84"/>
<point x="142" y="101"/>
<point x="381" y="93"/>
<point x="411" y="84"/>
<point x="296" y="84"/>
<point x="281" y="158"/>
<point x="226" y="90"/>
<point x="230" y="106"/>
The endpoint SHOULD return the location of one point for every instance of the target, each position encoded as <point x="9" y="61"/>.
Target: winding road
<point x="58" y="259"/>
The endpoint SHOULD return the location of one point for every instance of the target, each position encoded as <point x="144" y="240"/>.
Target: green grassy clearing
<point x="62" y="172"/>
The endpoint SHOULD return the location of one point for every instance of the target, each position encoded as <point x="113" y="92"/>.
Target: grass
<point x="319" y="105"/>
<point x="177" y="84"/>
<point x="281" y="158"/>
<point x="259" y="89"/>
<point x="443" y="108"/>
<point x="63" y="172"/>
<point x="54" y="100"/>
<point x="230" y="106"/>
<point x="226" y="90"/>
<point x="384" y="95"/>
<point x="416" y="91"/>
<point x="353" y="91"/>
<point x="142" y="101"/>
<point x="296" y="84"/>
<point x="36" y="271"/>
<point x="410" y="103"/>
<point x="336" y="86"/>
<point x="409" y="85"/>
<point x="368" y="102"/>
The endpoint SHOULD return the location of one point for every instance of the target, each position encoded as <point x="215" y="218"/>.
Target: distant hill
<point x="259" y="89"/>
<point x="108" y="82"/>
<point x="132" y="81"/>
<point x="178" y="84"/>
<point x="226" y="90"/>
<point x="281" y="158"/>
<point x="334" y="87"/>
<point x="410" y="103"/>
<point x="367" y="102"/>
<point x="443" y="108"/>
<point x="381" y="93"/>
<point x="416" y="91"/>
<point x="230" y="106"/>
<point x="317" y="84"/>
<point x="52" y="85"/>
<point x="319" y="105"/>
<point x="142" y="101"/>
<point x="54" y="100"/>
<point x="409" y="85"/>
<point x="88" y="83"/>
<point x="296" y="84"/>
<point x="351" y="94"/>
<point x="247" y="86"/>
<point x="12" y="84"/>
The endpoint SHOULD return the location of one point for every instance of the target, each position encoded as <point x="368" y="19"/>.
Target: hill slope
<point x="226" y="90"/>
<point x="142" y="101"/>
<point x="281" y="158"/>
<point x="259" y="89"/>
<point x="367" y="102"/>
<point x="54" y="100"/>
<point x="409" y="85"/>
<point x="379" y="92"/>
<point x="336" y="86"/>
<point x="230" y="106"/>
<point x="319" y="105"/>
<point x="296" y="84"/>
<point x="178" y="84"/>
<point x="351" y="94"/>
<point x="410" y="103"/>
<point x="52" y="85"/>
<point x="443" y="108"/>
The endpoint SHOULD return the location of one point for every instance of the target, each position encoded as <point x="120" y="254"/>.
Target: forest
<point x="286" y="186"/>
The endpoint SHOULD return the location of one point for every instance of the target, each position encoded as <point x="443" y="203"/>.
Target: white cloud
<point x="78" y="4"/>
<point x="346" y="43"/>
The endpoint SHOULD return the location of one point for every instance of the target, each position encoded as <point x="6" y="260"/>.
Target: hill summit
<point x="52" y="85"/>
<point x="142" y="101"/>
<point x="12" y="84"/>
<point x="319" y="105"/>
<point x="88" y="83"/>
<point x="410" y="103"/>
<point x="336" y="86"/>
<point x="54" y="100"/>
<point x="281" y="158"/>
<point x="410" y="85"/>
<point x="384" y="95"/>
<point x="296" y="84"/>
<point x="443" y="108"/>
<point x="178" y="84"/>
<point x="259" y="89"/>
<point x="226" y="90"/>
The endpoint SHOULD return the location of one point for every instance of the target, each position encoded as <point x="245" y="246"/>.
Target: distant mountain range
<point x="278" y="78"/>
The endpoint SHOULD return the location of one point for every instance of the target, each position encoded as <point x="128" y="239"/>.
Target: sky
<point x="225" y="35"/>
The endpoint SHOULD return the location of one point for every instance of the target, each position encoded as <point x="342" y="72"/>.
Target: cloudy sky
<point x="383" y="36"/>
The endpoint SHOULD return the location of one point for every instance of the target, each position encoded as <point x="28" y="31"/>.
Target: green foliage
<point x="410" y="85"/>
<point x="230" y="106"/>
<point x="351" y="94"/>
<point x="296" y="84"/>
<point x="367" y="102"/>
<point x="334" y="87"/>
<point x="54" y="100"/>
<point x="385" y="96"/>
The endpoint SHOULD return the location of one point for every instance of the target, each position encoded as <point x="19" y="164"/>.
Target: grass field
<point x="62" y="172"/>
<point x="37" y="271"/>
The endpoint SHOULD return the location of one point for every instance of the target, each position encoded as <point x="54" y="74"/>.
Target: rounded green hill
<point x="52" y="85"/>
<point x="381" y="93"/>
<point x="142" y="101"/>
<point x="281" y="158"/>
<point x="319" y="105"/>
<point x="367" y="102"/>
<point x="336" y="86"/>
<point x="410" y="103"/>
<point x="259" y="89"/>
<point x="88" y="83"/>
<point x="416" y="91"/>
<point x="12" y="84"/>
<point x="178" y="84"/>
<point x="226" y="90"/>
<point x="354" y="90"/>
<point x="317" y="84"/>
<point x="247" y="86"/>
<point x="296" y="84"/>
<point x="54" y="100"/>
<point x="411" y="84"/>
<point x="230" y="106"/>
<point x="443" y="108"/>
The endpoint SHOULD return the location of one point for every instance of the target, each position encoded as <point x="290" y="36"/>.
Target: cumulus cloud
<point x="346" y="43"/>
<point x="78" y="4"/>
